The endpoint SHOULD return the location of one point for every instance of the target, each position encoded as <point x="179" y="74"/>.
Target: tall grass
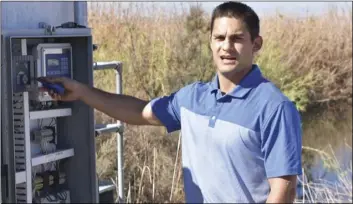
<point x="324" y="190"/>
<point x="309" y="58"/>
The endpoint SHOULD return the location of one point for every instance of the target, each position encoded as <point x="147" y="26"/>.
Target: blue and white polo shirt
<point x="231" y="144"/>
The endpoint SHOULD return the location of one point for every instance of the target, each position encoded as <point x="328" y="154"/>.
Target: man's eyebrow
<point x="231" y="35"/>
<point x="218" y="35"/>
<point x="237" y="35"/>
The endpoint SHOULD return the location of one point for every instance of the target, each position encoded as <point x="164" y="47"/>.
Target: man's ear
<point x="257" y="44"/>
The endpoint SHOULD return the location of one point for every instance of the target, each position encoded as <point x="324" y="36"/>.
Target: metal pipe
<point x="109" y="65"/>
<point x="101" y="129"/>
<point x="80" y="12"/>
<point x="120" y="141"/>
<point x="117" y="66"/>
<point x="0" y="95"/>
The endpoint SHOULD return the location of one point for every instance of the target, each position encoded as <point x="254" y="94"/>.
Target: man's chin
<point x="226" y="70"/>
<point x="231" y="72"/>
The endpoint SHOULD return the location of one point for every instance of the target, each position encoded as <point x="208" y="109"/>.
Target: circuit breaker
<point x="48" y="146"/>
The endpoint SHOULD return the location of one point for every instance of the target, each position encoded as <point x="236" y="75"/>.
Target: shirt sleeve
<point x="282" y="141"/>
<point x="167" y="108"/>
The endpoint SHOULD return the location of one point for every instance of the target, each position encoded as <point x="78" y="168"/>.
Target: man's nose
<point x="227" y="45"/>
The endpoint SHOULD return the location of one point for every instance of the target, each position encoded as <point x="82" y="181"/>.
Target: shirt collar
<point x="251" y="80"/>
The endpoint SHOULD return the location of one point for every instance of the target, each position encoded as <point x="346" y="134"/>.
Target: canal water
<point x="327" y="183"/>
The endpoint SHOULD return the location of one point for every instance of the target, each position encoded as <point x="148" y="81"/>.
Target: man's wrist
<point x="82" y="90"/>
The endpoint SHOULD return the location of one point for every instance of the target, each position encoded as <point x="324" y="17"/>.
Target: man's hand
<point x="283" y="189"/>
<point x="73" y="89"/>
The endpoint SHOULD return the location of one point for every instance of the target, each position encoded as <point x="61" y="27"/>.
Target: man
<point x="241" y="137"/>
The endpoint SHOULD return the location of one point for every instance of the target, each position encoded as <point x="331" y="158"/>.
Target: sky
<point x="262" y="8"/>
<point x="291" y="8"/>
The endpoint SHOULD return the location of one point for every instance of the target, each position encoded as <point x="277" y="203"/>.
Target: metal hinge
<point x="48" y="29"/>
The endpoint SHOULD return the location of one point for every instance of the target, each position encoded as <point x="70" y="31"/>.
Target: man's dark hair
<point x="239" y="11"/>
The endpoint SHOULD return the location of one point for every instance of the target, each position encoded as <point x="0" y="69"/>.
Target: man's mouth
<point x="228" y="59"/>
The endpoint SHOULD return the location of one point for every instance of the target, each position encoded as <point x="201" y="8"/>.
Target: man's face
<point x="231" y="45"/>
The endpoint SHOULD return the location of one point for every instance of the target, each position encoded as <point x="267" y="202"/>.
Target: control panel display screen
<point x="58" y="65"/>
<point x="53" y="62"/>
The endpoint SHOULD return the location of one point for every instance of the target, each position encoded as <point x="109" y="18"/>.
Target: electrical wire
<point x="52" y="120"/>
<point x="51" y="166"/>
<point x="62" y="195"/>
<point x="51" y="198"/>
<point x="47" y="147"/>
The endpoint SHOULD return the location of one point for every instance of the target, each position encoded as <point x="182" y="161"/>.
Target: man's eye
<point x="219" y="38"/>
<point x="237" y="38"/>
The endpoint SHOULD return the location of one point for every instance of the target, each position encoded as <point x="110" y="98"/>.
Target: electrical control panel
<point x="47" y="143"/>
<point x="52" y="60"/>
<point x="45" y="60"/>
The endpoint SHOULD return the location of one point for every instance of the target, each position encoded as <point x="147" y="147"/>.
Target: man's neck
<point x="228" y="82"/>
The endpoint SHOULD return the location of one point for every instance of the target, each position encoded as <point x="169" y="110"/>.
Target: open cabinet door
<point x="7" y="180"/>
<point x="1" y="188"/>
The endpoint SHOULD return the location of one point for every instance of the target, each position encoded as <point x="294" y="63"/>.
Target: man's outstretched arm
<point x="125" y="108"/>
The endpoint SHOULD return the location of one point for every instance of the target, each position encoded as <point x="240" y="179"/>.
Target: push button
<point x="212" y="121"/>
